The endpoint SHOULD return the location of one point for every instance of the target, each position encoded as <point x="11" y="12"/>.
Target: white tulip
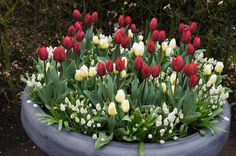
<point x="95" y="40"/>
<point x="120" y="96"/>
<point x="112" y="109"/>
<point x="173" y="78"/>
<point x="123" y="74"/>
<point x="172" y="43"/>
<point x="169" y="51"/>
<point x="212" y="80"/>
<point x="130" y="34"/>
<point x="104" y="44"/>
<point x="140" y="37"/>
<point x="164" y="46"/>
<point x="125" y="106"/>
<point x="92" y="71"/>
<point x="163" y="85"/>
<point x="207" y="69"/>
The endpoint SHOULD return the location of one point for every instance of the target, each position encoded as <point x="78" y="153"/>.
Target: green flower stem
<point x="176" y="82"/>
<point x="45" y="73"/>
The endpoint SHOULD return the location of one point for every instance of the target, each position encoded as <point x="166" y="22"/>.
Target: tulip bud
<point x="193" y="27"/>
<point x="76" y="14"/>
<point x="164" y="88"/>
<point x="138" y="63"/>
<point x="78" y="75"/>
<point x="169" y="51"/>
<point x="88" y="19"/>
<point x="219" y="67"/>
<point x="177" y="63"/>
<point x="112" y="109"/>
<point x="84" y="71"/>
<point x="173" y="78"/>
<point x="187" y="28"/>
<point x="71" y="31"/>
<point x="190" y="69"/>
<point x="191" y="49"/>
<point x="125" y="106"/>
<point x="193" y="81"/>
<point x="207" y="69"/>
<point x="95" y="40"/>
<point x="156" y="71"/>
<point x="140" y="38"/>
<point x="114" y="69"/>
<point x="117" y="37"/>
<point x="133" y="28"/>
<point x="77" y="47"/>
<point x="120" y="64"/>
<point x="212" y="80"/>
<point x="186" y="37"/>
<point x="92" y="72"/>
<point x="125" y="59"/>
<point x="120" y="96"/>
<point x="151" y="47"/>
<point x="153" y="24"/>
<point x="196" y="42"/>
<point x="121" y="20"/>
<point x="68" y="42"/>
<point x="164" y="46"/>
<point x="43" y="53"/>
<point x="101" y="69"/>
<point x="162" y="36"/>
<point x="128" y="20"/>
<point x="109" y="66"/>
<point x="80" y="35"/>
<point x="155" y="35"/>
<point x="104" y="44"/>
<point x="77" y="26"/>
<point x="59" y="54"/>
<point x="123" y="74"/>
<point x="172" y="43"/>
<point x="146" y="71"/>
<point x="125" y="41"/>
<point x="94" y="17"/>
<point x="181" y="28"/>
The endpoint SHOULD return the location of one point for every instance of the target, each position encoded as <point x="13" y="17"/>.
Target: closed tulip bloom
<point x="133" y="28"/>
<point x="43" y="53"/>
<point x="162" y="36"/>
<point x="120" y="96"/>
<point x="138" y="63"/>
<point x="92" y="72"/>
<point x="128" y="20"/>
<point x="101" y="69"/>
<point x="193" y="27"/>
<point x="153" y="24"/>
<point x="112" y="109"/>
<point x="219" y="67"/>
<point x="123" y="74"/>
<point x="109" y="66"/>
<point x="155" y="35"/>
<point x="151" y="47"/>
<point x="121" y="20"/>
<point x="164" y="87"/>
<point x="94" y="17"/>
<point x="212" y="80"/>
<point x="78" y="75"/>
<point x="190" y="49"/>
<point x="193" y="81"/>
<point x="104" y="43"/>
<point x="190" y="69"/>
<point x="181" y="28"/>
<point x="177" y="63"/>
<point x="186" y="37"/>
<point x="80" y="35"/>
<point x="156" y="71"/>
<point x="164" y="46"/>
<point x="117" y="37"/>
<point x="146" y="71"/>
<point x="125" y="106"/>
<point x="84" y="71"/>
<point x="172" y="43"/>
<point x="76" y="14"/>
<point x="59" y="54"/>
<point x="120" y="64"/>
<point x="125" y="41"/>
<point x="196" y="42"/>
<point x="68" y="42"/>
<point x="77" y="26"/>
<point x="88" y="19"/>
<point x="77" y="47"/>
<point x="207" y="69"/>
<point x="95" y="40"/>
<point x="71" y="31"/>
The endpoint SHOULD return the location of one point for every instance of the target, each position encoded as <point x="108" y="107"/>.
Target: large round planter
<point x="65" y="143"/>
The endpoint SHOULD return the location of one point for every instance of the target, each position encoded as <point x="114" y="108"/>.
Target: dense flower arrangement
<point x="126" y="87"/>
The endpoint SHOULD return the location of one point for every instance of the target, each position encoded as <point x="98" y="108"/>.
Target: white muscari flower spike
<point x="98" y="107"/>
<point x="150" y="136"/>
<point x="35" y="105"/>
<point x="94" y="136"/>
<point x="162" y="141"/>
<point x="77" y="119"/>
<point x="82" y="121"/>
<point x="62" y="107"/>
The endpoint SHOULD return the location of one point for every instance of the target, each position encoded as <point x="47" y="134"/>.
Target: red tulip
<point x="153" y="24"/>
<point x="76" y="14"/>
<point x="196" y="42"/>
<point x="177" y="63"/>
<point x="68" y="42"/>
<point x="181" y="28"/>
<point x="191" y="49"/>
<point x="80" y="35"/>
<point x="128" y="20"/>
<point x="186" y="37"/>
<point x="187" y="28"/>
<point x="77" y="47"/>
<point x="71" y="31"/>
<point x="193" y="80"/>
<point x="77" y="26"/>
<point x="122" y="31"/>
<point x="190" y="69"/>
<point x="133" y="28"/>
<point x="155" y="35"/>
<point x="109" y="66"/>
<point x="138" y="63"/>
<point x="125" y="41"/>
<point x="146" y="71"/>
<point x="101" y="69"/>
<point x="117" y="37"/>
<point x="120" y="64"/>
<point x="156" y="71"/>
<point x="94" y="17"/>
<point x="43" y="53"/>
<point x="121" y="20"/>
<point x="88" y="19"/>
<point x="59" y="54"/>
<point x="150" y="46"/>
<point x="193" y="27"/>
<point x="162" y="36"/>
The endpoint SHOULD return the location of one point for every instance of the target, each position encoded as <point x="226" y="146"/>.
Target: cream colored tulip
<point x="114" y="69"/>
<point x="92" y="71"/>
<point x="112" y="109"/>
<point x="124" y="58"/>
<point x="120" y="96"/>
<point x="164" y="88"/>
<point x="212" y="79"/>
<point x="207" y="69"/>
<point x="164" y="46"/>
<point x="169" y="51"/>
<point x="95" y="40"/>
<point x="78" y="75"/>
<point x="125" y="106"/>
<point x="130" y="34"/>
<point x="140" y="37"/>
<point x="104" y="44"/>
<point x="84" y="71"/>
<point x="173" y="78"/>
<point x="219" y="67"/>
<point x="123" y="74"/>
<point x="172" y="43"/>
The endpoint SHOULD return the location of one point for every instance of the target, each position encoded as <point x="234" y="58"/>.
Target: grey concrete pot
<point x="65" y="143"/>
